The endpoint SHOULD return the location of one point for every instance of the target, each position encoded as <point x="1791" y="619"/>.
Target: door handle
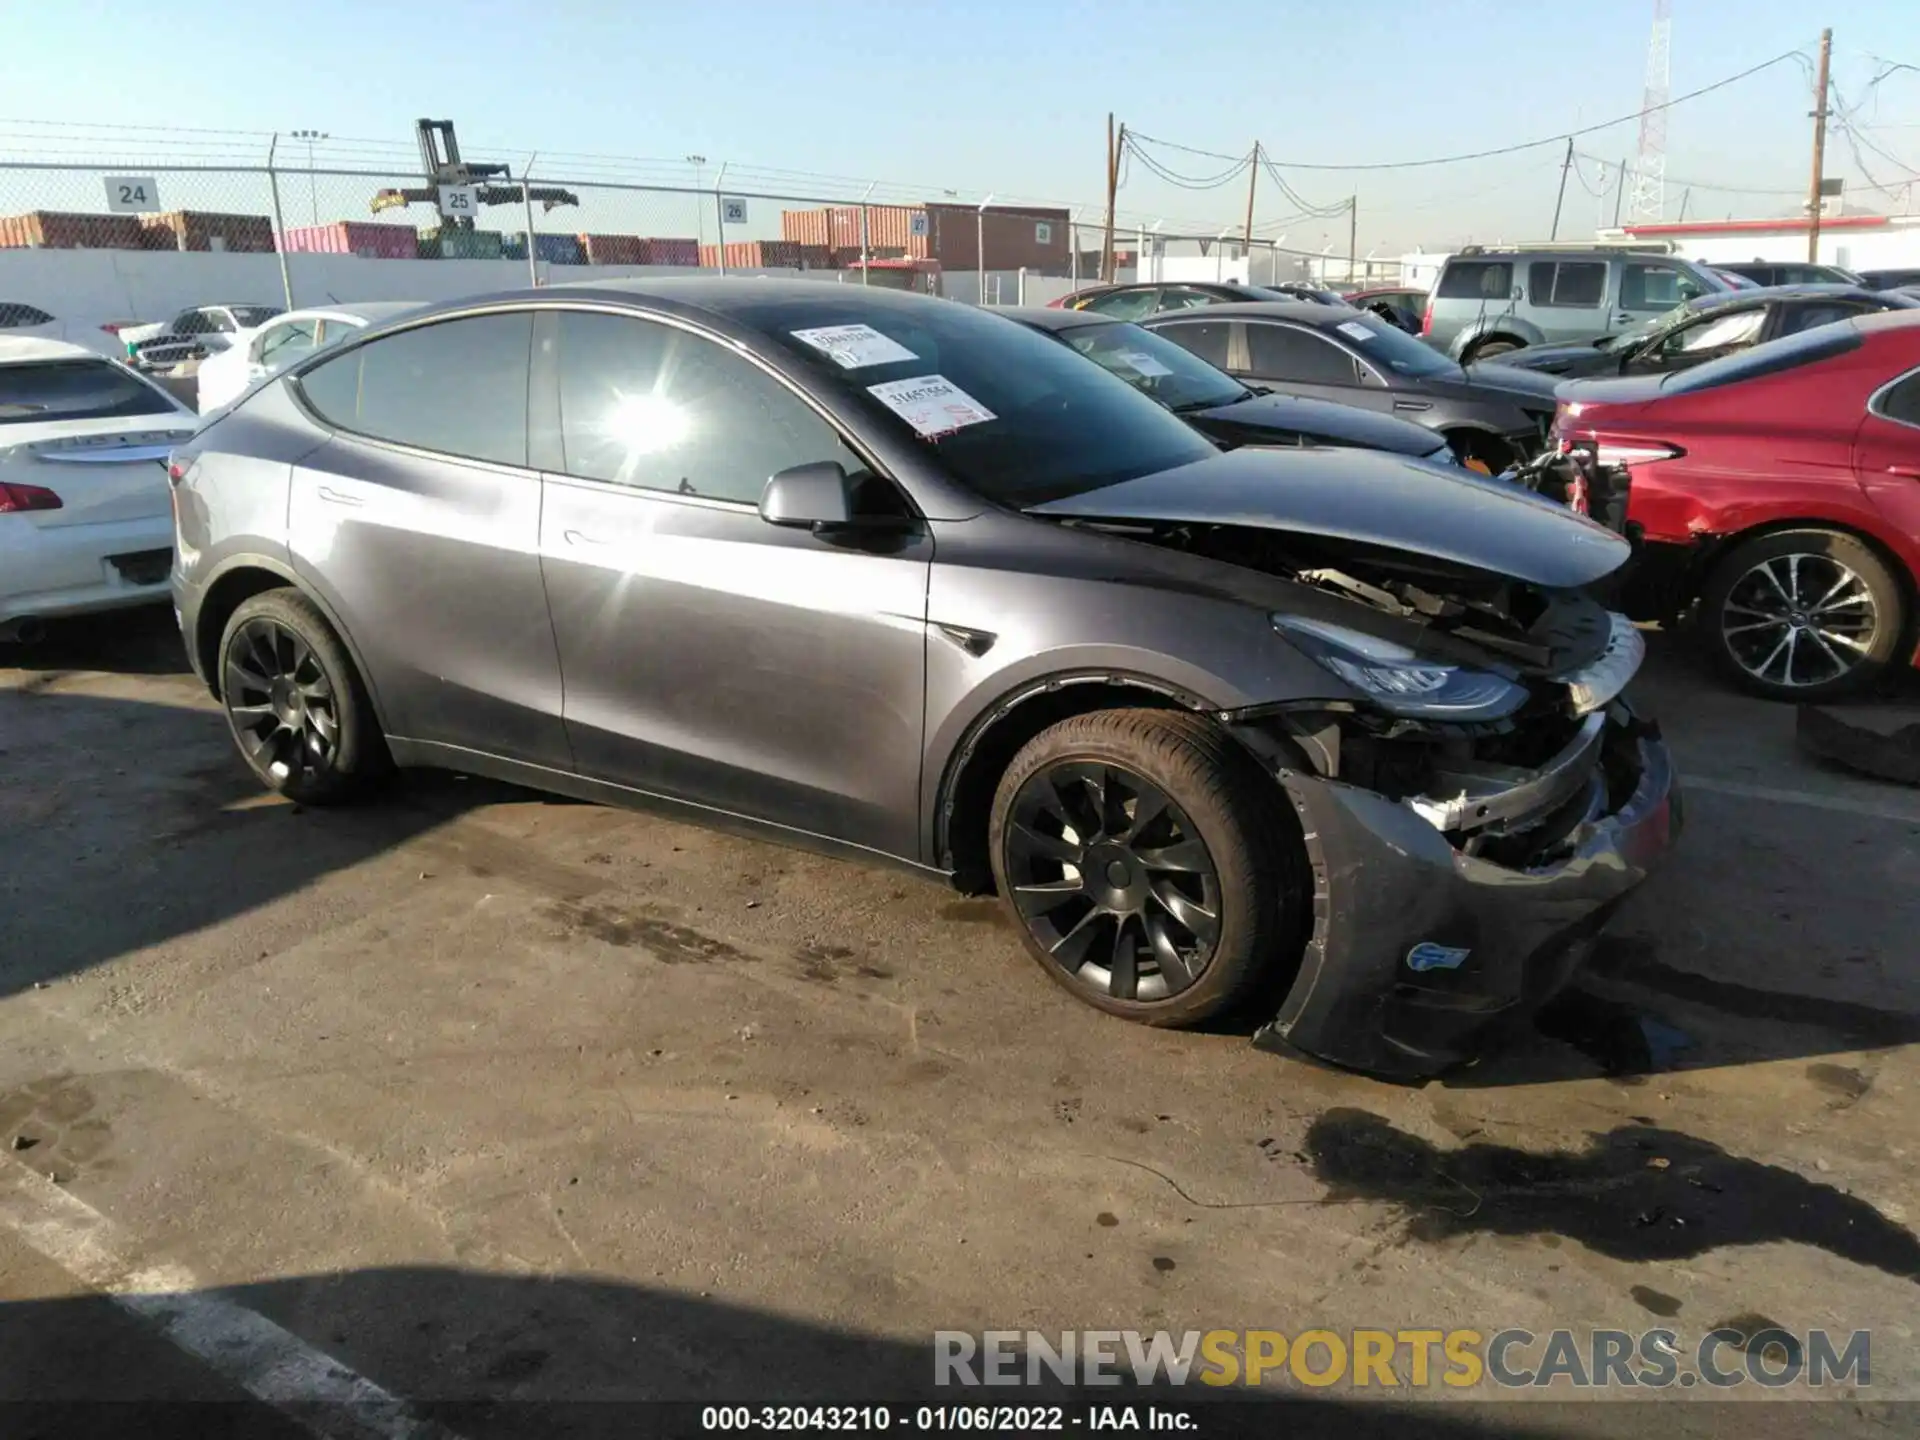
<point x="577" y="537"/>
<point x="1412" y="405"/>
<point x="338" y="497"/>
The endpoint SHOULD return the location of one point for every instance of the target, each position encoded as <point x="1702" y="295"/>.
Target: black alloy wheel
<point x="1150" y="866"/>
<point x="1113" y="880"/>
<point x="293" y="701"/>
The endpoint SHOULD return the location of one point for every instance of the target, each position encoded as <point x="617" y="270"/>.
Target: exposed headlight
<point x="1397" y="680"/>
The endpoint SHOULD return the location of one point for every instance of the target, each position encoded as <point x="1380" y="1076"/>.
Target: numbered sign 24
<point x="132" y="194"/>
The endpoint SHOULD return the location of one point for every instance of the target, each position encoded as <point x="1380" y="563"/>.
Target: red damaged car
<point x="1778" y="491"/>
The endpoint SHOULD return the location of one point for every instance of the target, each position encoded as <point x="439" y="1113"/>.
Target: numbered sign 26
<point x="733" y="211"/>
<point x="132" y="194"/>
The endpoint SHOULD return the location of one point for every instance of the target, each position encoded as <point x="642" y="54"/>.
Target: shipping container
<point x="806" y="227"/>
<point x="755" y="255"/>
<point x="67" y="230"/>
<point x="208" y="230"/>
<point x="552" y="249"/>
<point x="449" y="244"/>
<point x="672" y="250"/>
<point x="614" y="249"/>
<point x="1017" y="237"/>
<point x="354" y="237"/>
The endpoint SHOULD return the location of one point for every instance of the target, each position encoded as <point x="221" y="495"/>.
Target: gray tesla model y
<point x="902" y="578"/>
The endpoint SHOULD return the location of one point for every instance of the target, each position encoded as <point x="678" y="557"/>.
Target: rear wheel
<point x="294" y="703"/>
<point x="1803" y="615"/>
<point x="1150" y="866"/>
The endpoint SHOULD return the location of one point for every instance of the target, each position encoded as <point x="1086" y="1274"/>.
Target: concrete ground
<point x="474" y="1099"/>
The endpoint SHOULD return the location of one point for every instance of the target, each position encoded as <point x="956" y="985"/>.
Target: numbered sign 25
<point x="132" y="194"/>
<point x="459" y="202"/>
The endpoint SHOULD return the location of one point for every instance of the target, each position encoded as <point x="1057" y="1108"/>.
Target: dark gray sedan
<point x="905" y="580"/>
<point x="1492" y="415"/>
<point x="1218" y="405"/>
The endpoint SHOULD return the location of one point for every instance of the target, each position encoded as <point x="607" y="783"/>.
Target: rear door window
<point x="74" y="390"/>
<point x="1567" y="284"/>
<point x="1209" y="339"/>
<point x="1286" y="352"/>
<point x="1476" y="280"/>
<point x="458" y="387"/>
<point x="1901" y="401"/>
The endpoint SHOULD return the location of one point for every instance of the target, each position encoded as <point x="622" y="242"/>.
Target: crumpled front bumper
<point x="1421" y="956"/>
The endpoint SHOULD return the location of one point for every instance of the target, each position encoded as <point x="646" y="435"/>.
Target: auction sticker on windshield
<point x="932" y="404"/>
<point x="854" y="347"/>
<point x="1143" y="364"/>
<point x="1354" y="330"/>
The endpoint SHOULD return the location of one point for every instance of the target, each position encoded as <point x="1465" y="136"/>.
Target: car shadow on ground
<point x="499" y="1357"/>
<point x="143" y="641"/>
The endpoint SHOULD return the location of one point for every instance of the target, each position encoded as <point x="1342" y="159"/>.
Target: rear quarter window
<point x="1476" y="280"/>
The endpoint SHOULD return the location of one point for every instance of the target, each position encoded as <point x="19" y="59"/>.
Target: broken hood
<point x="1366" y="498"/>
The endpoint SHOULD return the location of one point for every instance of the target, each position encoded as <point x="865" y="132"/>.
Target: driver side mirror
<point x="817" y="496"/>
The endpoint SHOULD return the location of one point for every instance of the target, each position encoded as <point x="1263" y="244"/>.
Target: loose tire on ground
<point x="1216" y="794"/>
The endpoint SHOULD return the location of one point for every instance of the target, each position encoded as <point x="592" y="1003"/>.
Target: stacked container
<point x="754" y="255"/>
<point x="207" y="230"/>
<point x="66" y="230"/>
<point x="671" y="251"/>
<point x="449" y="244"/>
<point x="553" y="249"/>
<point x="354" y="237"/>
<point x="614" y="249"/>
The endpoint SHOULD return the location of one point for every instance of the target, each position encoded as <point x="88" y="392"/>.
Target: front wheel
<point x="294" y="703"/>
<point x="1803" y="615"/>
<point x="1491" y="349"/>
<point x="1151" y="867"/>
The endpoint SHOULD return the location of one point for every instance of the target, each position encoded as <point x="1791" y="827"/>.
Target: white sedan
<point x="86" y="513"/>
<point x="280" y="342"/>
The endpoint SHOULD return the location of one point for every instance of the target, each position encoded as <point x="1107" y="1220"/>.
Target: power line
<point x="1559" y="139"/>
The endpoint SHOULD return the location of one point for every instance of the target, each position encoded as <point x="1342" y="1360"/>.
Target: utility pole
<point x="1819" y="148"/>
<point x="1114" y="142"/>
<point x="1353" y="233"/>
<point x="1561" y="199"/>
<point x="1253" y="176"/>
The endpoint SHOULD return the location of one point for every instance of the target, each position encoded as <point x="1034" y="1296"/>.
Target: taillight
<point x="15" y="498"/>
<point x="112" y="328"/>
<point x="1426" y="321"/>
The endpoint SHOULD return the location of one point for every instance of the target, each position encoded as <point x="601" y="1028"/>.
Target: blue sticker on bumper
<point x="1429" y="956"/>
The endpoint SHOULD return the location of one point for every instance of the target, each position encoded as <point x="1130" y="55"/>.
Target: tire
<point x="1157" y="963"/>
<point x="1759" y="579"/>
<point x="281" y="662"/>
<point x="1490" y="349"/>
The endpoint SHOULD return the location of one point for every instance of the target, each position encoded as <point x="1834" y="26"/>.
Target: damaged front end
<point x="1462" y="868"/>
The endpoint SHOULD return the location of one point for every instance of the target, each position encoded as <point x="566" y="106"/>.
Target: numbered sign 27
<point x="132" y="194"/>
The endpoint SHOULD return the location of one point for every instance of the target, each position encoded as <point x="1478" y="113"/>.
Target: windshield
<point x="249" y="316"/>
<point x="1177" y="378"/>
<point x="74" y="390"/>
<point x="1387" y="344"/>
<point x="1012" y="414"/>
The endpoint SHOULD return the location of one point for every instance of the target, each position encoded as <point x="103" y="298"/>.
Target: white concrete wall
<point x="99" y="286"/>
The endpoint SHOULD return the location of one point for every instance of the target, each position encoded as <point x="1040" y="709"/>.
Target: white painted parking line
<point x="1908" y="814"/>
<point x="269" y="1363"/>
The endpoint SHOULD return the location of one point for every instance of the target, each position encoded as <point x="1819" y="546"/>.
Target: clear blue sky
<point x="1001" y="96"/>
